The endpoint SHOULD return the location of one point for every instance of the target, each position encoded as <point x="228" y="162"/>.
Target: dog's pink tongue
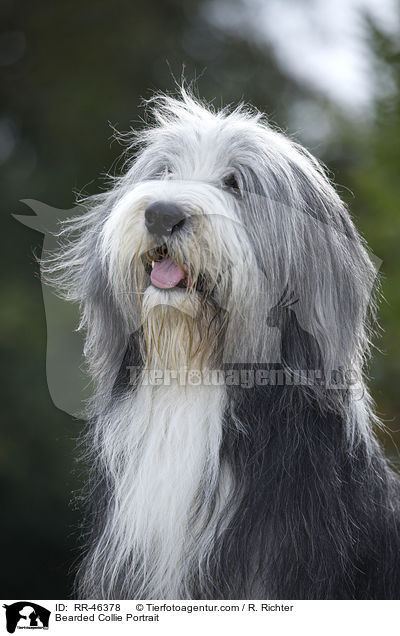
<point x="166" y="273"/>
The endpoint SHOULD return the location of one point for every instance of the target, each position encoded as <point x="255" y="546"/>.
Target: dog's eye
<point x="167" y="173"/>
<point x="231" y="183"/>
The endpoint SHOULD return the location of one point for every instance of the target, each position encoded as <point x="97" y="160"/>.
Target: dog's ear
<point x="304" y="240"/>
<point x="330" y="269"/>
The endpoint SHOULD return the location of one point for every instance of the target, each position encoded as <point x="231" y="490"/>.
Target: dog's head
<point x="216" y="215"/>
<point x="180" y="243"/>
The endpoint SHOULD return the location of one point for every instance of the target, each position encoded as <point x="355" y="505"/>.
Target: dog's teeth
<point x="152" y="264"/>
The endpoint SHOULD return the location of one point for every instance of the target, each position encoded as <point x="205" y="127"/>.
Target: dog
<point x="228" y="303"/>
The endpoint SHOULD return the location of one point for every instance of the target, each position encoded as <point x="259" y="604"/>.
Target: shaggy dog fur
<point x="226" y="294"/>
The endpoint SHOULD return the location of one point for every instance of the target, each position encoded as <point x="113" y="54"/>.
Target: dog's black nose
<point x="162" y="218"/>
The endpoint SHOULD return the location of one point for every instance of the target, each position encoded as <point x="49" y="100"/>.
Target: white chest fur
<point x="161" y="450"/>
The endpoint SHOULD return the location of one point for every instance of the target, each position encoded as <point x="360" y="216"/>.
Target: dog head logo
<point x="25" y="615"/>
<point x="66" y="378"/>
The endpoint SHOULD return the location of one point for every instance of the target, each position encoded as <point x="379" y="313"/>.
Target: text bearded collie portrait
<point x="228" y="305"/>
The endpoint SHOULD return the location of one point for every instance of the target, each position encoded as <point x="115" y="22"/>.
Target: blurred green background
<point x="71" y="68"/>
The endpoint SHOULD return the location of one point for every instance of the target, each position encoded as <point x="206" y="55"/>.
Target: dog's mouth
<point x="167" y="273"/>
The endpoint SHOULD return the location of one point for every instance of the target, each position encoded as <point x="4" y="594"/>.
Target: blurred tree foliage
<point x="68" y="69"/>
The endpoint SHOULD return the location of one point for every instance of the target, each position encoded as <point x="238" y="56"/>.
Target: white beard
<point x="176" y="328"/>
